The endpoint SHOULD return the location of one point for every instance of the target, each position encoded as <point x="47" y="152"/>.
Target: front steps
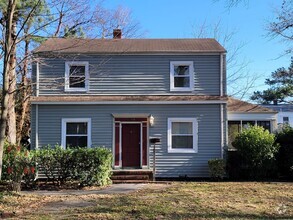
<point x="132" y="176"/>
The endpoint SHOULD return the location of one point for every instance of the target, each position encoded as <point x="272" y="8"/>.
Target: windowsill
<point x="76" y="90"/>
<point x="181" y="89"/>
<point x="182" y="151"/>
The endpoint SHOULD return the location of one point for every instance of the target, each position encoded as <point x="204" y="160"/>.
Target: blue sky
<point x="175" y="19"/>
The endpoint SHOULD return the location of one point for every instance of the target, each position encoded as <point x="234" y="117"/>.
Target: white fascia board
<point x="251" y="116"/>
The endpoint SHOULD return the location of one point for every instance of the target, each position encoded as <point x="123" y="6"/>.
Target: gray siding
<point x="132" y="74"/>
<point x="168" y="164"/>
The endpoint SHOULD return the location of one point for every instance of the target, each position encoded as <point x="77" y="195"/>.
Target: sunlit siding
<point x="132" y="74"/>
<point x="168" y="164"/>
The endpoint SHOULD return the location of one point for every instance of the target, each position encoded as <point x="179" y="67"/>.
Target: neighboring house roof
<point x="236" y="105"/>
<point x="280" y="107"/>
<point x="149" y="98"/>
<point x="62" y="45"/>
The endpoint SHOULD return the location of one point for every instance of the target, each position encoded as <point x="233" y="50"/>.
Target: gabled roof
<point x="236" y="105"/>
<point x="62" y="45"/>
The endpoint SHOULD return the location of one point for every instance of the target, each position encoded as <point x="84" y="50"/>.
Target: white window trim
<point x="81" y="120"/>
<point x="191" y="76"/>
<point x="67" y="68"/>
<point x="195" y="135"/>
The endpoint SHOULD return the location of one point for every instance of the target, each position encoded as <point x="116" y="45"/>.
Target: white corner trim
<point x="191" y="76"/>
<point x="222" y="131"/>
<point x="66" y="78"/>
<point x="63" y="129"/>
<point x="37" y="128"/>
<point x="221" y="74"/>
<point x="194" y="131"/>
<point x="37" y="79"/>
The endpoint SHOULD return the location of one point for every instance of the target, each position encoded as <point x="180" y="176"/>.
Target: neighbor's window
<point x="76" y="132"/>
<point x="181" y="76"/>
<point x="236" y="127"/>
<point x="76" y="76"/>
<point x="286" y="120"/>
<point x="182" y="135"/>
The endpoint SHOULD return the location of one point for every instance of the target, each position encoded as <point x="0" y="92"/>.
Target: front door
<point x="131" y="145"/>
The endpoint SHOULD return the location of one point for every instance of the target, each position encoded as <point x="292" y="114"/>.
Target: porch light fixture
<point x="152" y="120"/>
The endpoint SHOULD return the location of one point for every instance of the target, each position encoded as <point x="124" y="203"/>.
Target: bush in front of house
<point x="256" y="149"/>
<point x="55" y="163"/>
<point x="284" y="138"/>
<point x="18" y="166"/>
<point x="217" y="168"/>
<point x="92" y="166"/>
<point x="87" y="166"/>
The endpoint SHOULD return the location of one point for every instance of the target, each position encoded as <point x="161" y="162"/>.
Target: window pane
<point x="76" y="82"/>
<point x="245" y="124"/>
<point x="182" y="82"/>
<point x="234" y="128"/>
<point x="76" y="128"/>
<point x="77" y="71"/>
<point x="181" y="127"/>
<point x="75" y="141"/>
<point x="265" y="124"/>
<point x="182" y="142"/>
<point x="286" y="120"/>
<point x="181" y="70"/>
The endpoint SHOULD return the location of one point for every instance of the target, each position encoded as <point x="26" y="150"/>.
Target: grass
<point x="192" y="200"/>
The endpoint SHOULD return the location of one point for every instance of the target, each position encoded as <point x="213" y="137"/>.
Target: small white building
<point x="285" y="113"/>
<point x="241" y="114"/>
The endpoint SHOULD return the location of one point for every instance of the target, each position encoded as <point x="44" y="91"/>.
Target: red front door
<point x="131" y="145"/>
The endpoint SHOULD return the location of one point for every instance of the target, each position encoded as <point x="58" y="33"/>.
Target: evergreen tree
<point x="280" y="87"/>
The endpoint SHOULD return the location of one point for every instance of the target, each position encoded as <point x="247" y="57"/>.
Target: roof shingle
<point x="62" y="45"/>
<point x="236" y="105"/>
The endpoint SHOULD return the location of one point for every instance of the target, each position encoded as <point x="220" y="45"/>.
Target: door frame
<point x="140" y="142"/>
<point x="118" y="120"/>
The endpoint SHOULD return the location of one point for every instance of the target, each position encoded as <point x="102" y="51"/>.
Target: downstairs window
<point x="76" y="132"/>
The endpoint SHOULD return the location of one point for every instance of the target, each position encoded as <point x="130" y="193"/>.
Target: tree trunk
<point x="11" y="117"/>
<point x="24" y="95"/>
<point x="8" y="44"/>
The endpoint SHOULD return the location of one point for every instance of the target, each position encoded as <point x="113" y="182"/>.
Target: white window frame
<point x="67" y="73"/>
<point x="194" y="133"/>
<point x="191" y="76"/>
<point x="77" y="120"/>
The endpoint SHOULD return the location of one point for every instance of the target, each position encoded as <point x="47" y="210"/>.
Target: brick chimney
<point x="117" y="34"/>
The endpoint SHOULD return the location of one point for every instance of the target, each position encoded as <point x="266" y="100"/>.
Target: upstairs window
<point x="76" y="76"/>
<point x="181" y="76"/>
<point x="76" y="132"/>
<point x="182" y="135"/>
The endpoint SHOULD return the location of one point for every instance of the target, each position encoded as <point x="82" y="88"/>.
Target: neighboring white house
<point x="241" y="114"/>
<point x="285" y="113"/>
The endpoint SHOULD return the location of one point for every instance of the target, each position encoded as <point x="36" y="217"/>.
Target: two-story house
<point x="118" y="93"/>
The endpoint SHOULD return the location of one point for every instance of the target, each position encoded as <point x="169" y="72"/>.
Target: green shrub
<point x="18" y="166"/>
<point x="56" y="163"/>
<point x="285" y="155"/>
<point x="98" y="166"/>
<point x="257" y="149"/>
<point x="88" y="166"/>
<point x="217" y="168"/>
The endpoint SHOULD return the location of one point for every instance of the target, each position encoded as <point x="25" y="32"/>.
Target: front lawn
<point x="202" y="200"/>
